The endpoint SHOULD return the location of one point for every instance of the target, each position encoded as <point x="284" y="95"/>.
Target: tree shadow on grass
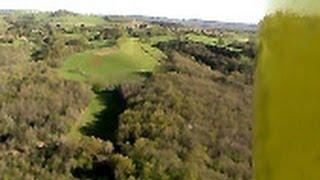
<point x="107" y="120"/>
<point x="104" y="127"/>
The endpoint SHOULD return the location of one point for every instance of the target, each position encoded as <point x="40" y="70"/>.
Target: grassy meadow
<point x="112" y="65"/>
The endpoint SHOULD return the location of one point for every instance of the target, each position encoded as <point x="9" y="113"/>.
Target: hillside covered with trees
<point x="114" y="97"/>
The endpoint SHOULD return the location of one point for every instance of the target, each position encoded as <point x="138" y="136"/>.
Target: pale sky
<point x="250" y="11"/>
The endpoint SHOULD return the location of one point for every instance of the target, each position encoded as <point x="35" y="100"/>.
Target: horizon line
<point x="128" y="15"/>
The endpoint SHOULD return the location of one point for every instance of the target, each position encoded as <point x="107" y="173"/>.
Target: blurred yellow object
<point x="302" y="7"/>
<point x="287" y="97"/>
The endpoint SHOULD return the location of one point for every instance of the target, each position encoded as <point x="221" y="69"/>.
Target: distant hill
<point x="7" y="11"/>
<point x="185" y="22"/>
<point x="200" y="23"/>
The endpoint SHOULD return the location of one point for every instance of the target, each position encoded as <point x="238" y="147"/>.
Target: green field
<point x="156" y="39"/>
<point x="70" y="21"/>
<point x="213" y="41"/>
<point x="202" y="38"/>
<point x="112" y="65"/>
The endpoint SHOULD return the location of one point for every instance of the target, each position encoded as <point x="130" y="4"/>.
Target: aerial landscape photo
<point x="88" y="92"/>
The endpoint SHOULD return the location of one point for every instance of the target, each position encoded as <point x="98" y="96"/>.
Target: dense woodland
<point x="188" y="123"/>
<point x="188" y="119"/>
